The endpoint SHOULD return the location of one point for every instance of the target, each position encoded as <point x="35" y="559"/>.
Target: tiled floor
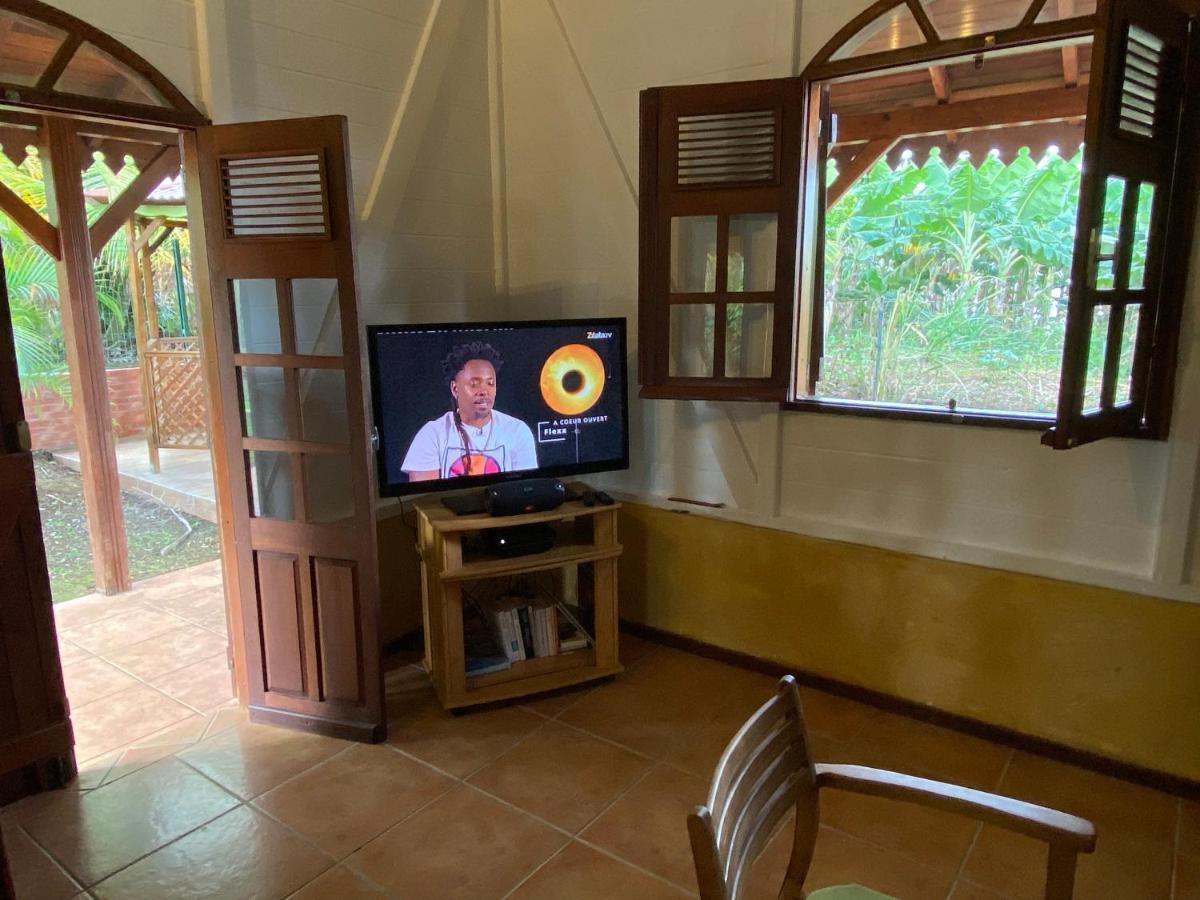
<point x="144" y="668"/>
<point x="184" y="480"/>
<point x="580" y="795"/>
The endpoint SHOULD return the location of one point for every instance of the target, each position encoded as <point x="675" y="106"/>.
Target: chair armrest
<point x="1056" y="828"/>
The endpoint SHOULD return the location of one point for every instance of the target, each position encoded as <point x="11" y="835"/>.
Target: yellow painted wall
<point x="1096" y="669"/>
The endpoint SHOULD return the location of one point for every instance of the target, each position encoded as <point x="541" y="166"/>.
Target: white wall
<point x="502" y="148"/>
<point x="572" y="70"/>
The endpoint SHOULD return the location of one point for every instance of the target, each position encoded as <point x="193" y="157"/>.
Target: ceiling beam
<point x="165" y="163"/>
<point x="1070" y="53"/>
<point x="992" y="112"/>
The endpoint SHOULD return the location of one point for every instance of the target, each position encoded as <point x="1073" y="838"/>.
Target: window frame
<point x="1027" y="34"/>
<point x="799" y="361"/>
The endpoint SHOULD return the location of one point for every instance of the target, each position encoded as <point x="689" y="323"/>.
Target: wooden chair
<point x="766" y="771"/>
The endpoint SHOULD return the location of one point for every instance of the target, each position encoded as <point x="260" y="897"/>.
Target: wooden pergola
<point x="69" y="90"/>
<point x="956" y="101"/>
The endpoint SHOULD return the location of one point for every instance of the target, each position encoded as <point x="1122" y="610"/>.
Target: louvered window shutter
<point x="1134" y="232"/>
<point x="720" y="173"/>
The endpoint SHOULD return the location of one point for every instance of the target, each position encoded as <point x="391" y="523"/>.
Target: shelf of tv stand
<point x="446" y="566"/>
<point x="533" y="562"/>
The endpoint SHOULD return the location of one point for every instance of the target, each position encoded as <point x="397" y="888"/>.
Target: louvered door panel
<point x="278" y="230"/>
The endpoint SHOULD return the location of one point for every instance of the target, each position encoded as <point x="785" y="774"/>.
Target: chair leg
<point x="1060" y="873"/>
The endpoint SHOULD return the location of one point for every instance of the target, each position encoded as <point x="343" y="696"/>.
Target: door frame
<point x="180" y="117"/>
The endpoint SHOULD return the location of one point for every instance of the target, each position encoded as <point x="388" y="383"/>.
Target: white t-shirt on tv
<point x="503" y="444"/>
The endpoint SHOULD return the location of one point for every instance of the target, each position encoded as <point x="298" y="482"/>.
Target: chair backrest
<point x="764" y="772"/>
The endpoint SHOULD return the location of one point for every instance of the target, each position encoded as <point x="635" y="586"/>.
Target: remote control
<point x="604" y="499"/>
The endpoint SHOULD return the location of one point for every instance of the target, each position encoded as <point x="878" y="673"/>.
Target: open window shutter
<point x="719" y="208"/>
<point x="1117" y="322"/>
<point x="291" y="422"/>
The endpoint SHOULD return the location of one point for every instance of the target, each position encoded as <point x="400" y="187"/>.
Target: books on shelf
<point x="523" y="628"/>
<point x="482" y="650"/>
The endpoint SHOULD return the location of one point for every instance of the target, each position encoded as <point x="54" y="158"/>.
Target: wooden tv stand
<point x="451" y="562"/>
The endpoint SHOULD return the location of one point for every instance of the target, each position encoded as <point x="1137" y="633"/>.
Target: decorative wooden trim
<point x="29" y="221"/>
<point x="119" y="211"/>
<point x="148" y="231"/>
<point x="1009" y="737"/>
<point x="939" y="76"/>
<point x="823" y="67"/>
<point x="180" y="112"/>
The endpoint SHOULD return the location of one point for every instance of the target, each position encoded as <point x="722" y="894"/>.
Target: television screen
<point x="467" y="404"/>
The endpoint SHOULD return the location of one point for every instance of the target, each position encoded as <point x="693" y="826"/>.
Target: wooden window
<point x="727" y="169"/>
<point x="1133" y="235"/>
<point x="718" y="234"/>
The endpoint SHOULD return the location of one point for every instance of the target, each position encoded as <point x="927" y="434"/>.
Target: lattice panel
<point x="177" y="394"/>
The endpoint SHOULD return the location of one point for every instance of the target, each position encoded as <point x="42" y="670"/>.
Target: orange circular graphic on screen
<point x="480" y="464"/>
<point x="572" y="379"/>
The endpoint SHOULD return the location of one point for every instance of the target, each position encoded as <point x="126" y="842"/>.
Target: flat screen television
<point x="460" y="405"/>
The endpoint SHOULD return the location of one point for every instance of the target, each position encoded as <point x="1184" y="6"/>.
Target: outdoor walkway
<point x="185" y="482"/>
<point x="145" y="671"/>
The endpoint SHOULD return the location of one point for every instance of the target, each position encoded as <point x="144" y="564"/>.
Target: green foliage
<point x="33" y="285"/>
<point x="951" y="282"/>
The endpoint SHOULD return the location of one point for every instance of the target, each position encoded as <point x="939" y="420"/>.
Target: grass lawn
<point x="150" y="527"/>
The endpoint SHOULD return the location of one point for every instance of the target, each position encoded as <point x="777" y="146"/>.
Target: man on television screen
<point x="473" y="438"/>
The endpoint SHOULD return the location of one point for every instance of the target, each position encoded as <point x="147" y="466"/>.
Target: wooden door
<point x="290" y="422"/>
<point x="35" y="731"/>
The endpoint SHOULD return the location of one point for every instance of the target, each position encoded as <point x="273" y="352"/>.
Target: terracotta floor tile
<point x="463" y="845"/>
<point x="581" y="873"/>
<point x="638" y="715"/>
<point x="118" y="823"/>
<point x="251" y="759"/>
<point x="122" y="718"/>
<point x="457" y="744"/>
<point x="896" y="742"/>
<point x="53" y="804"/>
<point x="338" y="883"/>
<point x="1187" y="876"/>
<point x="935" y="838"/>
<point x="124" y="629"/>
<point x="834" y="716"/>
<point x="966" y="890"/>
<point x="93" y="679"/>
<point x="1121" y="866"/>
<point x="633" y="649"/>
<point x="35" y="875"/>
<point x="167" y="652"/>
<point x="217" y="623"/>
<point x="228" y="716"/>
<point x="89" y="609"/>
<point x="346" y="801"/>
<point x="648" y="825"/>
<point x="242" y="855"/>
<point x="1189" y="825"/>
<point x="562" y="775"/>
<point x="551" y="705"/>
<point x="1113" y="805"/>
<point x="69" y="653"/>
<point x="137" y="758"/>
<point x="185" y="731"/>
<point x="196" y="603"/>
<point x="843" y="859"/>
<point x="203" y="685"/>
<point x="91" y="772"/>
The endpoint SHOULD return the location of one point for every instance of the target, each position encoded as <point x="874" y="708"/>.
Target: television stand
<point x="457" y="567"/>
